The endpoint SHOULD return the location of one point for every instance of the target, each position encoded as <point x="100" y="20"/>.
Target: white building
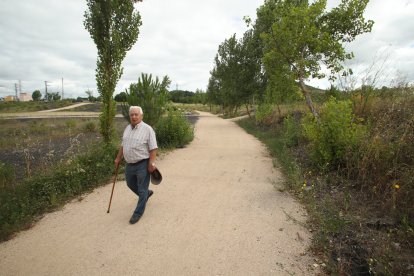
<point x="25" y="97"/>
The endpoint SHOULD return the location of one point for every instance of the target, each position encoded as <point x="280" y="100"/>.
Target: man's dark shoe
<point x="134" y="219"/>
<point x="150" y="193"/>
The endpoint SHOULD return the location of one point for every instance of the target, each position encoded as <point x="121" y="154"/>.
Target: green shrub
<point x="335" y="134"/>
<point x="90" y="126"/>
<point x="174" y="130"/>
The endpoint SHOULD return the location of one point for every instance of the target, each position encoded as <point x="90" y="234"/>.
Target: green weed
<point x="337" y="133"/>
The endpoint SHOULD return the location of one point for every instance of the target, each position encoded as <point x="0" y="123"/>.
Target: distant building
<point x="25" y="97"/>
<point x="10" y="98"/>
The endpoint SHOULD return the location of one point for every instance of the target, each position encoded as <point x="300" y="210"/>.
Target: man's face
<point x="135" y="117"/>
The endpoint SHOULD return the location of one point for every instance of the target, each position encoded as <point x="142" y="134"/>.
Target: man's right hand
<point x="118" y="158"/>
<point x="117" y="161"/>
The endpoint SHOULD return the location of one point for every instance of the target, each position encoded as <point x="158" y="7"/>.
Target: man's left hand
<point x="151" y="167"/>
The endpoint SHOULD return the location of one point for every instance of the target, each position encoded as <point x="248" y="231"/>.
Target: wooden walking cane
<point x="113" y="186"/>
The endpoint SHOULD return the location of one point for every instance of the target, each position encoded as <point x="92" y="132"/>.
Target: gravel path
<point x="64" y="108"/>
<point x="217" y="212"/>
<point x="50" y="113"/>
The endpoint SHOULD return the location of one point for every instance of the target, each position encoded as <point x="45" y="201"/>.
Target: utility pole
<point x="15" y="88"/>
<point x="62" y="88"/>
<point x="46" y="90"/>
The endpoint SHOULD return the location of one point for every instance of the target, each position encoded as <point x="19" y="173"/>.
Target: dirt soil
<point x="218" y="211"/>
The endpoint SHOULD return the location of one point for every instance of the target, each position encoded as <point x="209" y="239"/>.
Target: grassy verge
<point x="20" y="205"/>
<point x="354" y="231"/>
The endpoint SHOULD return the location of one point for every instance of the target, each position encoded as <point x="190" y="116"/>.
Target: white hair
<point x="136" y="107"/>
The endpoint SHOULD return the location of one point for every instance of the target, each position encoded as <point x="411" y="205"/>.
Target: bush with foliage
<point x="263" y="112"/>
<point x="337" y="133"/>
<point x="174" y="130"/>
<point x="121" y="97"/>
<point x="292" y="131"/>
<point x="36" y="95"/>
<point x="151" y="95"/>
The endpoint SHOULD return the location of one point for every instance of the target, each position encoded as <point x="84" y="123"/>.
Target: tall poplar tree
<point x="114" y="27"/>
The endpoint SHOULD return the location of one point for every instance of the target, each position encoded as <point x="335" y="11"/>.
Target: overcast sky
<point x="45" y="40"/>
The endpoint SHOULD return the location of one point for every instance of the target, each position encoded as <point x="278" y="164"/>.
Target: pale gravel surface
<point x="64" y="108"/>
<point x="37" y="114"/>
<point x="217" y="212"/>
<point x="50" y="113"/>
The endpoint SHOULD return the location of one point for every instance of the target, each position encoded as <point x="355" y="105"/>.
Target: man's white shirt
<point x="137" y="142"/>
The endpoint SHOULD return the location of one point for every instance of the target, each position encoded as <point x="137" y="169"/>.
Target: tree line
<point x="290" y="42"/>
<point x="176" y="96"/>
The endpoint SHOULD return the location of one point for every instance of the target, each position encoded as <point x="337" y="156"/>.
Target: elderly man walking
<point x="139" y="149"/>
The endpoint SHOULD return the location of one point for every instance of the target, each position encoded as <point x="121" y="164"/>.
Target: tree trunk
<point x="248" y="111"/>
<point x="308" y="99"/>
<point x="278" y="109"/>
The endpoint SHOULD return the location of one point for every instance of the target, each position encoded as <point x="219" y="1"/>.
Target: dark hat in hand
<point x="156" y="177"/>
